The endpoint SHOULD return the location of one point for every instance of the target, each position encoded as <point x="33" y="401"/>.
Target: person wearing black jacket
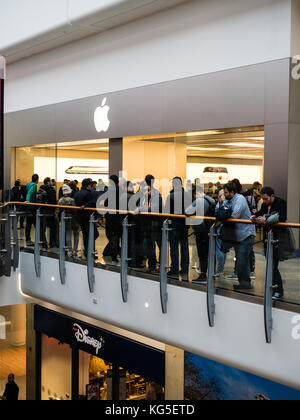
<point x="11" y="392"/>
<point x="273" y="206"/>
<point x="18" y="193"/>
<point x="151" y="226"/>
<point x="113" y="226"/>
<point x="83" y="217"/>
<point x="47" y="195"/>
<point x="177" y="201"/>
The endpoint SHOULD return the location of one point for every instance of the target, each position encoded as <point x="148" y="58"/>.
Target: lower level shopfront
<point x="79" y="361"/>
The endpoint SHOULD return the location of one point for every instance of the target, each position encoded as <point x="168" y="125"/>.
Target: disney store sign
<point x="82" y="336"/>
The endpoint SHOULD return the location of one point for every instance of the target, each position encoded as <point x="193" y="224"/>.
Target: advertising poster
<point x="93" y="391"/>
<point x="208" y="380"/>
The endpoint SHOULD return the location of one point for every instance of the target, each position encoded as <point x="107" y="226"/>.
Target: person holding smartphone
<point x="273" y="210"/>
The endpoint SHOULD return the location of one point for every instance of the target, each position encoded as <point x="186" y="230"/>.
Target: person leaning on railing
<point x="274" y="210"/>
<point x="242" y="236"/>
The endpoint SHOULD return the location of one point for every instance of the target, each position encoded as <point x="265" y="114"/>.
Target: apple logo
<point x="102" y="122"/>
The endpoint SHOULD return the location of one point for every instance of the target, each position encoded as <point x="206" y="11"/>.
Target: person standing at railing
<point x="83" y="217"/>
<point x="151" y="227"/>
<point x="47" y="195"/>
<point x="18" y="193"/>
<point x="274" y="210"/>
<point x="178" y="200"/>
<point x="221" y="257"/>
<point x="31" y="190"/>
<point x="67" y="200"/>
<point x="243" y="235"/>
<point x="113" y="227"/>
<point x="202" y="206"/>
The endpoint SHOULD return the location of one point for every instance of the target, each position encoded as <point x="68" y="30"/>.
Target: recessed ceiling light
<point x="204" y="133"/>
<point x="244" y="156"/>
<point x="207" y="149"/>
<point x="257" y="146"/>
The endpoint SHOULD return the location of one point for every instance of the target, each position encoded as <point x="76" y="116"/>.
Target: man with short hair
<point x="244" y="234"/>
<point x="276" y="207"/>
<point x="31" y="190"/>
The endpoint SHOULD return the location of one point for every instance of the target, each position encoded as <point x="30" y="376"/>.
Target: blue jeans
<point x="243" y="250"/>
<point x="221" y="257"/>
<point x="179" y="236"/>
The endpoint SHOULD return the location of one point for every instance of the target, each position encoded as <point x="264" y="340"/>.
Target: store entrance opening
<point x="108" y="381"/>
<point x="82" y="361"/>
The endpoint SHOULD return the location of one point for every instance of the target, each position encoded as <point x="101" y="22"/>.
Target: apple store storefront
<point x="187" y="128"/>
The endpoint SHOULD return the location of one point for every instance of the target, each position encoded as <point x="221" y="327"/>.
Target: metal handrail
<point x="211" y="307"/>
<point x="127" y="212"/>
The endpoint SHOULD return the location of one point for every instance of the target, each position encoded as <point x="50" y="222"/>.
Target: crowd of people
<point x="259" y="206"/>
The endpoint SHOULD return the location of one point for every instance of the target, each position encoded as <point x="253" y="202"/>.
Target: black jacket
<point x="279" y="206"/>
<point x="51" y="194"/>
<point x="177" y="202"/>
<point x="18" y="193"/>
<point x="11" y="392"/>
<point x="81" y="198"/>
<point x="286" y="242"/>
<point x="50" y="198"/>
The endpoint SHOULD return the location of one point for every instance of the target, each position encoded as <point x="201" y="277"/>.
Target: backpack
<point x="211" y="212"/>
<point x="18" y="194"/>
<point x="41" y="196"/>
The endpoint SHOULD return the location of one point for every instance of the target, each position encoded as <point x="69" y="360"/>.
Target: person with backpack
<point x="47" y="195"/>
<point x="202" y="206"/>
<point x="31" y="190"/>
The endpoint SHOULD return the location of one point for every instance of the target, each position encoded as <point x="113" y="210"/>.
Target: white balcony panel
<point x="238" y="338"/>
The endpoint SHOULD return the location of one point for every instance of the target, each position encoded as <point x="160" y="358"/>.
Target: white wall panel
<point x="238" y="338"/>
<point x="195" y="38"/>
<point x="20" y="20"/>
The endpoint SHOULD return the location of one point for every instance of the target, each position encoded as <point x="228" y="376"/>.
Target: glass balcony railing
<point x="158" y="246"/>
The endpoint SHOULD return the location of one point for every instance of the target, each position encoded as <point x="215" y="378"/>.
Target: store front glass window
<point x="100" y="380"/>
<point x="56" y="370"/>
<point x="13" y="347"/>
<point x="210" y="158"/>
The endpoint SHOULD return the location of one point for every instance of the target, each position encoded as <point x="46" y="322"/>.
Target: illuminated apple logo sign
<point x="102" y="122"/>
